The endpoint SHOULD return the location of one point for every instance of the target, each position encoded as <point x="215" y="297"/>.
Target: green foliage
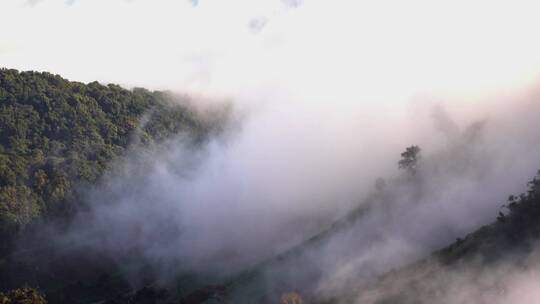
<point x="22" y="296"/>
<point x="56" y="135"/>
<point x="57" y="138"/>
<point x="19" y="205"/>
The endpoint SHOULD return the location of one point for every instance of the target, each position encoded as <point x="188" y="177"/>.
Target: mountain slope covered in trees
<point x="59" y="137"/>
<point x="55" y="134"/>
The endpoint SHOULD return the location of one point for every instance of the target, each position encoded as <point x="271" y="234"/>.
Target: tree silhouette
<point x="409" y="159"/>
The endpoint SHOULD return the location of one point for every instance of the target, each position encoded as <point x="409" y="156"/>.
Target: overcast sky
<point x="323" y="51"/>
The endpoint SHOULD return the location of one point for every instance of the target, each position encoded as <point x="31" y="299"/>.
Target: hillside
<point x="507" y="242"/>
<point x="482" y="266"/>
<point x="55" y="134"/>
<point x="58" y="138"/>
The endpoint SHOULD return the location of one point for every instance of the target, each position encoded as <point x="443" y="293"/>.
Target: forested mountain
<point x="55" y="134"/>
<point x="58" y="137"/>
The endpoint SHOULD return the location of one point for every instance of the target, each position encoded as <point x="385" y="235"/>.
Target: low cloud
<point x="287" y="174"/>
<point x="513" y="279"/>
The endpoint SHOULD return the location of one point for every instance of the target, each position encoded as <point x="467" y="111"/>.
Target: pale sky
<point x="317" y="50"/>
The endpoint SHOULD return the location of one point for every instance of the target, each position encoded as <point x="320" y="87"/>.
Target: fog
<point x="320" y="111"/>
<point x="280" y="174"/>
<point x="511" y="280"/>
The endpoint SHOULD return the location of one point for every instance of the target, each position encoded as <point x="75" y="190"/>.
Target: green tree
<point x="57" y="137"/>
<point x="18" y="207"/>
<point x="22" y="296"/>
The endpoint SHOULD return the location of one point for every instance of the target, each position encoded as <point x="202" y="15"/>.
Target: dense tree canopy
<point x="22" y="296"/>
<point x="58" y="137"/>
<point x="55" y="134"/>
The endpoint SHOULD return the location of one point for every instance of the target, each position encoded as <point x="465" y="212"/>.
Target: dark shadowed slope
<point x="497" y="263"/>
